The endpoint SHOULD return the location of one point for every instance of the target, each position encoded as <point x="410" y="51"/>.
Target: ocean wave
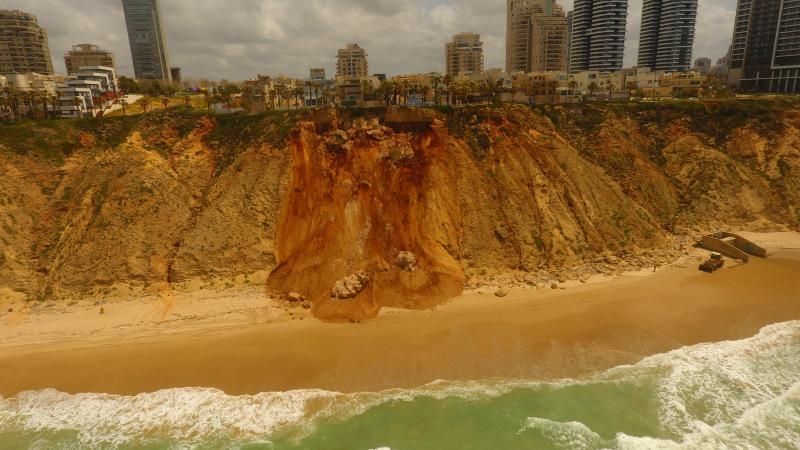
<point x="735" y="394"/>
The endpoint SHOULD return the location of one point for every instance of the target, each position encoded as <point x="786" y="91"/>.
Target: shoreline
<point x="241" y="343"/>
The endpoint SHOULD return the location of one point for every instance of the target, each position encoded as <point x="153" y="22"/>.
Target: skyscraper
<point x="464" y="55"/>
<point x="667" y="34"/>
<point x="23" y="44"/>
<point x="598" y="35"/>
<point x="147" y="39"/>
<point x="536" y="36"/>
<point x="765" y="56"/>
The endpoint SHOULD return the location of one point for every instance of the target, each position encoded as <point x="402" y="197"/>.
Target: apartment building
<point x="536" y="36"/>
<point x="464" y="54"/>
<point x="23" y="44"/>
<point x="598" y="35"/>
<point x="352" y="62"/>
<point x="667" y="34"/>
<point x="85" y="55"/>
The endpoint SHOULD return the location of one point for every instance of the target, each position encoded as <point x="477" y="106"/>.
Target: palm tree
<point x="572" y="85"/>
<point x="592" y="88"/>
<point x="299" y="92"/>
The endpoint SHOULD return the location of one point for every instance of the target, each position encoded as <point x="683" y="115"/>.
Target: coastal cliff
<point x="418" y="202"/>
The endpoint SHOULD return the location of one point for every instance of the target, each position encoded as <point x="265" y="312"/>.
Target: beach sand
<point x="241" y="342"/>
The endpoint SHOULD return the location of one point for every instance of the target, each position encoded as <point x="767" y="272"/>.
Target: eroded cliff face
<point x="180" y="200"/>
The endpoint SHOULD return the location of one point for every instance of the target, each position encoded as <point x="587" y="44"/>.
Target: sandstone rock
<point x="406" y="261"/>
<point x="501" y="293"/>
<point x="611" y="259"/>
<point x="554" y="286"/>
<point x="295" y="297"/>
<point x="350" y="286"/>
<point x="377" y="134"/>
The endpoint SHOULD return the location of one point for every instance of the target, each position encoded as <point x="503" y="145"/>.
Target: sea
<point x="726" y="395"/>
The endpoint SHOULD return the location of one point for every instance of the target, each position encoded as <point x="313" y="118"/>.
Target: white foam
<point x="774" y="424"/>
<point x="566" y="435"/>
<point x="186" y="415"/>
<point x="742" y="385"/>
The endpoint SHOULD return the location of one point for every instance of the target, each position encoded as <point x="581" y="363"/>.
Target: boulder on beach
<point x="406" y="261"/>
<point x="350" y="286"/>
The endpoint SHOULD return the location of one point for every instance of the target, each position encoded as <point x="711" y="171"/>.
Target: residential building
<point x="765" y="56"/>
<point x="106" y="76"/>
<point x="175" y="74"/>
<point x="536" y="36"/>
<point x="349" y="91"/>
<point x="702" y="65"/>
<point x="667" y="35"/>
<point x="464" y="55"/>
<point x="75" y="102"/>
<point x="598" y="35"/>
<point x="83" y="55"/>
<point x="317" y="75"/>
<point x="147" y="39"/>
<point x="352" y="62"/>
<point x="549" y="39"/>
<point x="518" y="32"/>
<point x="255" y="94"/>
<point x="34" y="82"/>
<point x="23" y="44"/>
<point x="569" y="39"/>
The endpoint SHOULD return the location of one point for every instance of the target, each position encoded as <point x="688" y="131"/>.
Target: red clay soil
<point x="355" y="201"/>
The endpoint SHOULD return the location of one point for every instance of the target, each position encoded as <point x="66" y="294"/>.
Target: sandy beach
<point x="242" y="343"/>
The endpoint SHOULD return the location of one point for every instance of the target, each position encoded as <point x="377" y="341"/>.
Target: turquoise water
<point x="740" y="395"/>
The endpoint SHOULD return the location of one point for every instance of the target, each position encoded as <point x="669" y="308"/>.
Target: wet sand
<point x="529" y="334"/>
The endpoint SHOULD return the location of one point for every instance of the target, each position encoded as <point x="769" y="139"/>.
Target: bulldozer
<point x="713" y="264"/>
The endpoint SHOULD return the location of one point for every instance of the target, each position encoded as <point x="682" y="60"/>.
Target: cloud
<point x="237" y="39"/>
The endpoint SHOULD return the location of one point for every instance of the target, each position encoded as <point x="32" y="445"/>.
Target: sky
<point x="237" y="39"/>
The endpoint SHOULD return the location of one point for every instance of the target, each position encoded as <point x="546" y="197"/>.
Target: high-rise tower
<point x="765" y="56"/>
<point x="536" y="36"/>
<point x="667" y="34"/>
<point x="147" y="39"/>
<point x="598" y="35"/>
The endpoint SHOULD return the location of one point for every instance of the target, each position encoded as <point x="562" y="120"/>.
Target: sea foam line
<point x="762" y="367"/>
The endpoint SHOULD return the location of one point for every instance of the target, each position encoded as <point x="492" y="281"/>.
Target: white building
<point x="76" y="102"/>
<point x="104" y="74"/>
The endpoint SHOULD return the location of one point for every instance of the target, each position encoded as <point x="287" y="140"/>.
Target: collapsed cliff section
<point x="362" y="209"/>
<point x="486" y="192"/>
<point x="358" y="199"/>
